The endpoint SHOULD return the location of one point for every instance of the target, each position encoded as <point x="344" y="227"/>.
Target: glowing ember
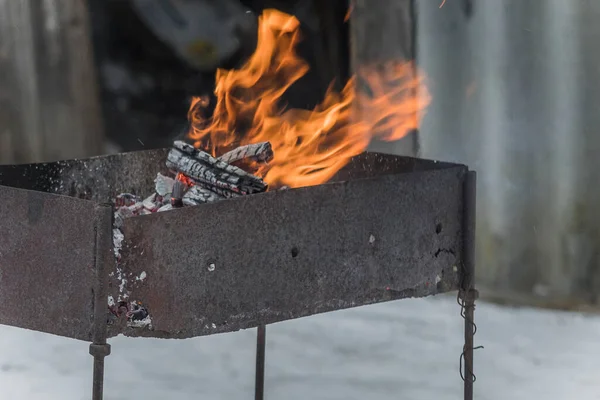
<point x="187" y="181"/>
<point x="309" y="146"/>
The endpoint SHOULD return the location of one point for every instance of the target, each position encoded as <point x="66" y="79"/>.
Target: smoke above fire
<point x="309" y="146"/>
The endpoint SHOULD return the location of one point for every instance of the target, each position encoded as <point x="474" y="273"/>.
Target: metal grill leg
<point x="469" y="378"/>
<point x="104" y="258"/>
<point x="99" y="351"/>
<point x="261" y="337"/>
<point x="468" y="293"/>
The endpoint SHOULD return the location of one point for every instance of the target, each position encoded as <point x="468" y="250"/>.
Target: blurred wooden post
<point x="382" y="30"/>
<point x="49" y="106"/>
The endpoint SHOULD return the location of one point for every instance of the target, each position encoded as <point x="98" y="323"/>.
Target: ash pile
<point x="197" y="178"/>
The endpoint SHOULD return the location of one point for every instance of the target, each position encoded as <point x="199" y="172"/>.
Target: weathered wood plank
<point x="49" y="99"/>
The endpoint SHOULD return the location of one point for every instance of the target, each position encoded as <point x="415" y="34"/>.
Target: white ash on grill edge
<point x="198" y="178"/>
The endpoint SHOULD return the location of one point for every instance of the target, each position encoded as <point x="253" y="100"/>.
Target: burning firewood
<point x="200" y="179"/>
<point x="211" y="172"/>
<point x="260" y="152"/>
<point x="199" y="195"/>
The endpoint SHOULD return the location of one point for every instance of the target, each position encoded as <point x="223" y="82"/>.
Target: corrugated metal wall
<point x="516" y="93"/>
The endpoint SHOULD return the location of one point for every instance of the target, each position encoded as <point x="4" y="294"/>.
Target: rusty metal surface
<point x="102" y="178"/>
<point x="47" y="258"/>
<point x="373" y="164"/>
<point x="269" y="257"/>
<point x="97" y="178"/>
<point x="388" y="227"/>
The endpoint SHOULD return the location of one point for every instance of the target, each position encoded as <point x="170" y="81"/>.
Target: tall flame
<point x="309" y="146"/>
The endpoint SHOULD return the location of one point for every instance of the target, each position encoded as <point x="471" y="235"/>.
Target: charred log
<point x="199" y="195"/>
<point x="205" y="169"/>
<point x="225" y="193"/>
<point x="259" y="152"/>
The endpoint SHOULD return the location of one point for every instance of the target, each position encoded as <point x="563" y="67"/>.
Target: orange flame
<point x="309" y="146"/>
<point x="348" y="13"/>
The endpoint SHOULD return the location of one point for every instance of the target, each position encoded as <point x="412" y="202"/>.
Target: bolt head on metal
<point x="100" y="350"/>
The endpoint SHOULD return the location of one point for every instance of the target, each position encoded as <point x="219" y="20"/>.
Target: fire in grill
<point x="197" y="178"/>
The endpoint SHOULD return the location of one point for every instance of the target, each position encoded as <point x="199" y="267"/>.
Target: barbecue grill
<point x="384" y="228"/>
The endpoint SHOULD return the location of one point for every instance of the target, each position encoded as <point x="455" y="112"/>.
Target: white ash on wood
<point x="199" y="195"/>
<point x="222" y="193"/>
<point x="259" y="152"/>
<point x="205" y="179"/>
<point x="212" y="172"/>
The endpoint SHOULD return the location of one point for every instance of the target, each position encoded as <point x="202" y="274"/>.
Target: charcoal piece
<point x="137" y="207"/>
<point x="199" y="195"/>
<point x="164" y="185"/>
<point x="150" y="202"/>
<point x="179" y="189"/>
<point x="261" y="152"/>
<point x="126" y="199"/>
<point x="208" y="170"/>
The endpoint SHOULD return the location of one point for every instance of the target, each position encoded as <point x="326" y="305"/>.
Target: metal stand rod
<point x="261" y="337"/>
<point x="99" y="349"/>
<point x="468" y="349"/>
<point x="468" y="292"/>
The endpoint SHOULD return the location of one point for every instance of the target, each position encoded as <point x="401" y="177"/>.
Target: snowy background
<point x="404" y="350"/>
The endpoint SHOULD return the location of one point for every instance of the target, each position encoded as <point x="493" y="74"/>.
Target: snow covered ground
<point x="403" y="350"/>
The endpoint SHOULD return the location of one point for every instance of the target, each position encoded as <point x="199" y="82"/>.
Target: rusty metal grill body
<point x="384" y="228"/>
